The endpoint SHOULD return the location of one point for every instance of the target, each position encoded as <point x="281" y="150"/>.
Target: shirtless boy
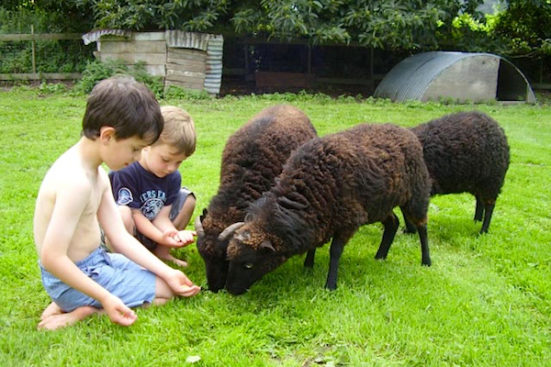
<point x="75" y="198"/>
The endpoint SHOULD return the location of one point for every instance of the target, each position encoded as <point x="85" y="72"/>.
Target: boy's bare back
<point x="68" y="186"/>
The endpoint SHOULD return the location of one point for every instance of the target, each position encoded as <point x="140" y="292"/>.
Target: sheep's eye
<point x="248" y="265"/>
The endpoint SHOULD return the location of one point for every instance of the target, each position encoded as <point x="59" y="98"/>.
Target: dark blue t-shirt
<point x="140" y="189"/>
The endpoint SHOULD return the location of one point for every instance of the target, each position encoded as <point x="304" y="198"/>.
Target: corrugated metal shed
<point x="462" y="76"/>
<point x="185" y="59"/>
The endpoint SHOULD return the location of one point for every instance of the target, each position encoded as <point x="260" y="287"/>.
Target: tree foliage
<point x="524" y="27"/>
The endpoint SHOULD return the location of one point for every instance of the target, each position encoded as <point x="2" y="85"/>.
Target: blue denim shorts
<point x="134" y="285"/>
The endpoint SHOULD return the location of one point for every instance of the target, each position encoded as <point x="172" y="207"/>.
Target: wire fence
<point x="43" y="56"/>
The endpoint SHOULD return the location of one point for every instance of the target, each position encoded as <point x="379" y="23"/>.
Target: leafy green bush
<point x="50" y="56"/>
<point x="96" y="71"/>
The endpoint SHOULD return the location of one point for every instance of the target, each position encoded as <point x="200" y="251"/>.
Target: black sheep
<point x="253" y="156"/>
<point x="328" y="188"/>
<point x="465" y="152"/>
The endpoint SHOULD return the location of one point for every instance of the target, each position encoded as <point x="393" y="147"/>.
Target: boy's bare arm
<point x="162" y="220"/>
<point x="146" y="227"/>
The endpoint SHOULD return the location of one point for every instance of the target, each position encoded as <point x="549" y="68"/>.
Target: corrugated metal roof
<point x="411" y="78"/>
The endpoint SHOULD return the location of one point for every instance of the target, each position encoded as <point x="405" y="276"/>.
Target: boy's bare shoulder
<point x="66" y="171"/>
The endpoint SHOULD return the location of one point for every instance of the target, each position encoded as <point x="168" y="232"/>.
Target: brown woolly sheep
<point x="252" y="158"/>
<point x="328" y="188"/>
<point x="465" y="152"/>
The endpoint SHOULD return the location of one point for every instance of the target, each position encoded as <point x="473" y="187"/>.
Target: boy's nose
<point x="137" y="155"/>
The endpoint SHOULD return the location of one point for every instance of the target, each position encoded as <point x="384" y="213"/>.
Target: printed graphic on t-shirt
<point x="124" y="196"/>
<point x="153" y="201"/>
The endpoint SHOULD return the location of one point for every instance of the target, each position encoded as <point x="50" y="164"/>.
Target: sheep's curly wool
<point x="328" y="188"/>
<point x="466" y="152"/>
<point x="252" y="158"/>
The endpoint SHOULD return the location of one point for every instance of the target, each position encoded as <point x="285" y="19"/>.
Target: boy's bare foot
<point x="163" y="253"/>
<point x="54" y="320"/>
<point x="52" y="309"/>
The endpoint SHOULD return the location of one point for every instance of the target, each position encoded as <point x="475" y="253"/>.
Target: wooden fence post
<point x="33" y="51"/>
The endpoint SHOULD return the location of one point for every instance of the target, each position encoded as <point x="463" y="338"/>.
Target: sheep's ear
<point x="266" y="245"/>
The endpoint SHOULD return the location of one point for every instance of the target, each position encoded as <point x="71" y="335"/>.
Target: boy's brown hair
<point x="179" y="130"/>
<point x="127" y="106"/>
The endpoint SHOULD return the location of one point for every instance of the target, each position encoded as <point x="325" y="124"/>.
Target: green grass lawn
<point x="486" y="300"/>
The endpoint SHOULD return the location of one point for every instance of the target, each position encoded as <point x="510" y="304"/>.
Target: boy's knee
<point x="190" y="202"/>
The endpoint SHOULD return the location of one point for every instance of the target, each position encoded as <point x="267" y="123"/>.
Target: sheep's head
<point x="251" y="254"/>
<point x="212" y="241"/>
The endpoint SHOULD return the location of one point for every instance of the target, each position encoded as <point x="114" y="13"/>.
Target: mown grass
<point x="484" y="302"/>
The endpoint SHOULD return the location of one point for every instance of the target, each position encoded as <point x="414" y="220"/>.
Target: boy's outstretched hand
<point x="118" y="312"/>
<point x="174" y="238"/>
<point x="186" y="237"/>
<point x="181" y="285"/>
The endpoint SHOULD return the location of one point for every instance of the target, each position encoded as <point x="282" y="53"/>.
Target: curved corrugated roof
<point x="411" y="78"/>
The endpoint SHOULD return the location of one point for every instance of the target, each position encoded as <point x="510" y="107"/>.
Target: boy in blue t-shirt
<point x="153" y="205"/>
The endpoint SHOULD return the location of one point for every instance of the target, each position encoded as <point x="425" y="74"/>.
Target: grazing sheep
<point x="253" y="157"/>
<point x="465" y="152"/>
<point x="328" y="188"/>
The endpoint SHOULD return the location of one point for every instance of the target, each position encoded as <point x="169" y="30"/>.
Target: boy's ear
<point x="106" y="133"/>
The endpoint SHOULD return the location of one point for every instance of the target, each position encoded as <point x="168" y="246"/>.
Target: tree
<point x="391" y="24"/>
<point x="525" y="28"/>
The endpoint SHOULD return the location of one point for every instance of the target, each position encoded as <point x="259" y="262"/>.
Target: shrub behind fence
<point x="45" y="56"/>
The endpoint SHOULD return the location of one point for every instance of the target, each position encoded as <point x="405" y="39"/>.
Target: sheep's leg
<point x="425" y="254"/>
<point x="391" y="225"/>
<point x="410" y="228"/>
<point x="337" y="246"/>
<point x="488" y="210"/>
<point x="309" y="260"/>
<point x="479" y="210"/>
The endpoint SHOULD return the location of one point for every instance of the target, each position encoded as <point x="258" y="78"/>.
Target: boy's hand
<point x="181" y="285"/>
<point x="118" y="312"/>
<point x="171" y="238"/>
<point x="186" y="237"/>
<point x="174" y="238"/>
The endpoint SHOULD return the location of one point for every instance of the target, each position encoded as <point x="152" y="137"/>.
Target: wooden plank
<point x="195" y="67"/>
<point x="40" y="76"/>
<point x="128" y="58"/>
<point x="155" y="47"/>
<point x="183" y="85"/>
<point x="151" y="58"/>
<point x="185" y="73"/>
<point x="184" y="61"/>
<point x="186" y="79"/>
<point x="187" y="54"/>
<point x="40" y="37"/>
<point x="131" y="57"/>
<point x="116" y="47"/>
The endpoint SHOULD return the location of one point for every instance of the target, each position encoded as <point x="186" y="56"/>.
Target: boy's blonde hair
<point x="179" y="130"/>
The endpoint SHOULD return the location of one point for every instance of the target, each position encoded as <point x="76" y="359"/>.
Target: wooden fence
<point x="33" y="37"/>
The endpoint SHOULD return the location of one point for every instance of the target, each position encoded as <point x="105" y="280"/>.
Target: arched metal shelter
<point x="462" y="76"/>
